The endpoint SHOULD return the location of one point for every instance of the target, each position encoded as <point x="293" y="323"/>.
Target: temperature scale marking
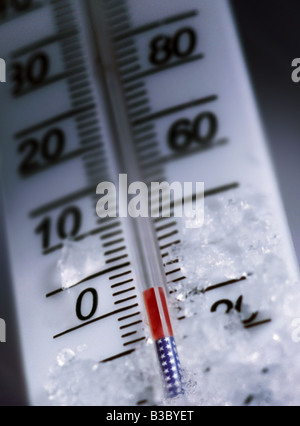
<point x="69" y="143"/>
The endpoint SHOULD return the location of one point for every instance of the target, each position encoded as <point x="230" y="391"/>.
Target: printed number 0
<point x="94" y="306"/>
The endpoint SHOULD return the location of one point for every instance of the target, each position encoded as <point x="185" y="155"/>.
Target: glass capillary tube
<point x="151" y="274"/>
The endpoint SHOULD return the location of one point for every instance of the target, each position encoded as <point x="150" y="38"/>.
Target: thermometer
<point x="156" y="90"/>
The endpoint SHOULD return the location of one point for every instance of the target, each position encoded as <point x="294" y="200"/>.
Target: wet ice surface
<point x="78" y="261"/>
<point x="247" y="356"/>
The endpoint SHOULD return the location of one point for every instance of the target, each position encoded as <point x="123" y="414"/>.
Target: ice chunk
<point x="79" y="260"/>
<point x="64" y="357"/>
<point x="123" y="382"/>
<point x="237" y="342"/>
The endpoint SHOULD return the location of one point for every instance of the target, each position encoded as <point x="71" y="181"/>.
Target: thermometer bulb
<point x="162" y="333"/>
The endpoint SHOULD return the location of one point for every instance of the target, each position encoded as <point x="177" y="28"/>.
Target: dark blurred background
<point x="270" y="36"/>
